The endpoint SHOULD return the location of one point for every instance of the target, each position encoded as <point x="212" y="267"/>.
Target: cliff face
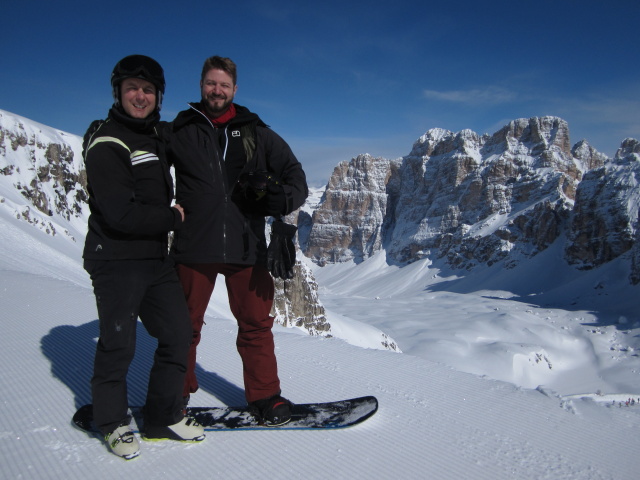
<point x="474" y="200"/>
<point x="348" y="223"/>
<point x="297" y="304"/>
<point x="604" y="224"/>
<point x="41" y="172"/>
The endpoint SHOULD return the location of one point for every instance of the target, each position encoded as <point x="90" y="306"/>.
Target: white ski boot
<point x="123" y="442"/>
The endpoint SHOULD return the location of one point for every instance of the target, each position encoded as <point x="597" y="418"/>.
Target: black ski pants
<point x="126" y="290"/>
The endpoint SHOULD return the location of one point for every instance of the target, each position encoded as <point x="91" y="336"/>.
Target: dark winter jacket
<point x="208" y="160"/>
<point x="130" y="191"/>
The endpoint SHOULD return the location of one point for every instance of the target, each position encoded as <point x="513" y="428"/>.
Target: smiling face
<point x="217" y="89"/>
<point x="138" y="97"/>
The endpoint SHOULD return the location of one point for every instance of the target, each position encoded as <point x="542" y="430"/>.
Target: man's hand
<point x="274" y="202"/>
<point x="180" y="209"/>
<point x="260" y="193"/>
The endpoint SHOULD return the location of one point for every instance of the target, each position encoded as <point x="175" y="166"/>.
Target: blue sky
<point x="340" y="78"/>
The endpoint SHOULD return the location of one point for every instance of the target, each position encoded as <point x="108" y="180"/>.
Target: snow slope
<point x="433" y="422"/>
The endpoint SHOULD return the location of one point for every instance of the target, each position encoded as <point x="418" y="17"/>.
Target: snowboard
<point x="340" y="414"/>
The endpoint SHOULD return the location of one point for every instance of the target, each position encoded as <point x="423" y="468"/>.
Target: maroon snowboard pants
<point x="250" y="290"/>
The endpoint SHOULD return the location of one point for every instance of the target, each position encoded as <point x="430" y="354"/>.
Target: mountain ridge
<point x="474" y="200"/>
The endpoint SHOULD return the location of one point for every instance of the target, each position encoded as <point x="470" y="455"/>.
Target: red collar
<point x="224" y="118"/>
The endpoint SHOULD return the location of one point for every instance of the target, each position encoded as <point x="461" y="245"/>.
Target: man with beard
<point x="126" y="254"/>
<point x="231" y="172"/>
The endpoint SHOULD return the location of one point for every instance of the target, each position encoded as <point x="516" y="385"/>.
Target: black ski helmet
<point x="138" y="66"/>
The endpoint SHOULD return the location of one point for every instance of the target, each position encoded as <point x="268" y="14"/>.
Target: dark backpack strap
<point x="86" y="140"/>
<point x="248" y="134"/>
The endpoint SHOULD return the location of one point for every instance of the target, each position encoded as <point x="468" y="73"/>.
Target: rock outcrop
<point x="43" y="166"/>
<point x="604" y="223"/>
<point x="348" y="223"/>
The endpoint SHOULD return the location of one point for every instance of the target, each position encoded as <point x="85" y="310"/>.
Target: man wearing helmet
<point x="130" y="193"/>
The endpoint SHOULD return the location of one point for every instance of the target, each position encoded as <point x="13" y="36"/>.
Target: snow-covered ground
<point x="582" y="338"/>
<point x="491" y="384"/>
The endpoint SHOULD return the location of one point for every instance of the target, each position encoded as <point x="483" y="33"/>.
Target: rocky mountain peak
<point x="629" y="151"/>
<point x="588" y="155"/>
<point x="536" y="134"/>
<point x="472" y="199"/>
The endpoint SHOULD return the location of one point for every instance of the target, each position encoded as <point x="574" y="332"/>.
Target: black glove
<point x="274" y="202"/>
<point x="281" y="254"/>
<point x="260" y="193"/>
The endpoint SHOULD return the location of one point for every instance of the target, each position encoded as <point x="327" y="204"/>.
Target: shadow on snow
<point x="71" y="350"/>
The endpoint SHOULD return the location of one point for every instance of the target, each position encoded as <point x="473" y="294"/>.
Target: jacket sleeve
<point x="112" y="184"/>
<point x="284" y="164"/>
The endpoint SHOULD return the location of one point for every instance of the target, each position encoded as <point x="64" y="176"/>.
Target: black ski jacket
<point x="130" y="191"/>
<point x="208" y="160"/>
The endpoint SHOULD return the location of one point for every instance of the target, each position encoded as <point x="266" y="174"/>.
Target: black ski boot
<point x="273" y="411"/>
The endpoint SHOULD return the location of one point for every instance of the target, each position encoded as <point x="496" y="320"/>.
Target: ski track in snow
<point x="433" y="422"/>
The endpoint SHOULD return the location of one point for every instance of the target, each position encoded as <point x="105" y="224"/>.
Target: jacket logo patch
<point x="140" y="156"/>
<point x="235" y="133"/>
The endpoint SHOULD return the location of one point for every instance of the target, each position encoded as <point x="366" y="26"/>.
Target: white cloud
<point x="475" y="96"/>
